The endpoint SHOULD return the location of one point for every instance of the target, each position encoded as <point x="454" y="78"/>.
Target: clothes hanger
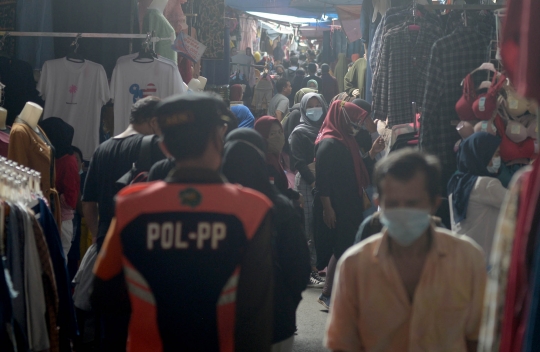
<point x="3" y="52"/>
<point x="146" y="53"/>
<point x="415" y="13"/>
<point x="72" y="54"/>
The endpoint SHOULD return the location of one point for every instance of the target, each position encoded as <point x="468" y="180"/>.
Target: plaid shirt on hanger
<point x="395" y="16"/>
<point x="452" y="58"/>
<point x="401" y="75"/>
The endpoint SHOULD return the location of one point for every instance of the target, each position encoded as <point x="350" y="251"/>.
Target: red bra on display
<point x="464" y="105"/>
<point x="485" y="105"/>
<point x="511" y="150"/>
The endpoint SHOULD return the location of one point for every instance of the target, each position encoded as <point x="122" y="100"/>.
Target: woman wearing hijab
<point x="475" y="193"/>
<point x="271" y="130"/>
<point x="60" y="134"/>
<point x="243" y="115"/>
<point x="312" y="84"/>
<point x="293" y="118"/>
<point x="281" y="72"/>
<point x="302" y="143"/>
<point x="342" y="177"/>
<point x="341" y="71"/>
<point x="244" y="163"/>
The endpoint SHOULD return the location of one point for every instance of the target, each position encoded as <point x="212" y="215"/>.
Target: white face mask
<point x="496" y="162"/>
<point x="405" y="225"/>
<point x="314" y="114"/>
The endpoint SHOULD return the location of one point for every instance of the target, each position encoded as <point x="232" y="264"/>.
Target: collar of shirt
<point x="382" y="251"/>
<point x="195" y="175"/>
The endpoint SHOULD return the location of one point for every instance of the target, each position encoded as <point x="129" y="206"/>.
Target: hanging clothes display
<point x="155" y="21"/>
<point x="20" y="86"/>
<point x="248" y="26"/>
<point x="133" y="80"/>
<point x="499" y="264"/>
<point x="30" y="284"/>
<point x="210" y="27"/>
<point x="519" y="48"/>
<point x="401" y="72"/>
<point x="96" y="16"/>
<point x="175" y="15"/>
<point x="75" y="92"/>
<point x="452" y="58"/>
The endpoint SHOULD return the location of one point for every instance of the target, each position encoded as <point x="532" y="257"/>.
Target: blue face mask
<point x="405" y="225"/>
<point x="496" y="165"/>
<point x="314" y="114"/>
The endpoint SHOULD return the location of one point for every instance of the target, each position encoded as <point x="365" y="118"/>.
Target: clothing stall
<point x="446" y="62"/>
<point x="75" y="89"/>
<point x="36" y="308"/>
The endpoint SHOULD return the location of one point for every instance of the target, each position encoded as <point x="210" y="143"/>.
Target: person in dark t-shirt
<point x="111" y="161"/>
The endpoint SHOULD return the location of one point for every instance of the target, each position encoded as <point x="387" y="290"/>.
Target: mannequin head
<point x="3" y="116"/>
<point x="203" y="81"/>
<point x="31" y="114"/>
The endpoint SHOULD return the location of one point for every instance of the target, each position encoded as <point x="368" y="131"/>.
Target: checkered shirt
<point x="394" y="16"/>
<point x="401" y="74"/>
<point x="452" y="58"/>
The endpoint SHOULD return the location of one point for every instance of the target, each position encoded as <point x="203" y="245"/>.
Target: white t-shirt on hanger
<point x="75" y="92"/>
<point x="132" y="81"/>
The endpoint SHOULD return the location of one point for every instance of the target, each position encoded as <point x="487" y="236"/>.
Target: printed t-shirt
<point x="132" y="81"/>
<point x="75" y="92"/>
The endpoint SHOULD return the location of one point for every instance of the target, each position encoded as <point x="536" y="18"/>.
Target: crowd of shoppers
<point x="233" y="215"/>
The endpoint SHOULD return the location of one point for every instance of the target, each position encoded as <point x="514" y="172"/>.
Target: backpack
<point x="139" y="170"/>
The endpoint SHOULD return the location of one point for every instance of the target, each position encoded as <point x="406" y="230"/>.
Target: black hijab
<point x="244" y="161"/>
<point x="306" y="126"/>
<point x="60" y="133"/>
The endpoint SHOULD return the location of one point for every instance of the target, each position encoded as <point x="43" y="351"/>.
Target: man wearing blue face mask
<point x="414" y="287"/>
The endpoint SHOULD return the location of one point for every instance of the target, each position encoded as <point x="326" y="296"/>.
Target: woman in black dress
<point x="342" y="176"/>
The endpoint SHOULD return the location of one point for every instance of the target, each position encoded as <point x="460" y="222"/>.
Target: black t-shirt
<point x="111" y="161"/>
<point x="160" y="170"/>
<point x="18" y="77"/>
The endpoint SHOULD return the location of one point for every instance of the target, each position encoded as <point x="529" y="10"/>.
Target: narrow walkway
<point x="311" y="321"/>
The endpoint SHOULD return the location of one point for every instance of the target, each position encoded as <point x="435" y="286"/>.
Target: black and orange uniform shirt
<point x="196" y="257"/>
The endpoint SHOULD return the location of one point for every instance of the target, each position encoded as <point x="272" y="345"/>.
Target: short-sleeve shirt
<point x="111" y="161"/>
<point x="371" y="309"/>
<point x="278" y="103"/>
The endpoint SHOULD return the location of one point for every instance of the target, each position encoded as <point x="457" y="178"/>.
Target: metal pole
<point x="74" y="35"/>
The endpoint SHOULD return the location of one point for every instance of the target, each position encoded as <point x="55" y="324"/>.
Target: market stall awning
<point x="349" y="16"/>
<point x="281" y="7"/>
<point x="321" y="6"/>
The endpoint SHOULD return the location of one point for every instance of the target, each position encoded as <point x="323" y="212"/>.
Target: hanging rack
<point x="464" y="7"/>
<point x="74" y="35"/>
<point x="17" y="184"/>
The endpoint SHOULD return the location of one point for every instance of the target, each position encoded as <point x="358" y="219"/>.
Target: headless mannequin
<point x="3" y="117"/>
<point x="159" y="5"/>
<point x="31" y="114"/>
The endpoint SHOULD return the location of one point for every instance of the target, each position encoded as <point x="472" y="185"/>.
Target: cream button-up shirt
<point x="370" y="309"/>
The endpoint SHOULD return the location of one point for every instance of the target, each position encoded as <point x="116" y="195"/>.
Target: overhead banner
<point x="349" y="16"/>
